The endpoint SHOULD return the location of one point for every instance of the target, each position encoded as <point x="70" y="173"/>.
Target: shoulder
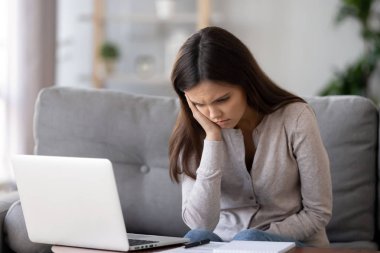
<point x="300" y="120"/>
<point x="294" y="117"/>
<point x="293" y="112"/>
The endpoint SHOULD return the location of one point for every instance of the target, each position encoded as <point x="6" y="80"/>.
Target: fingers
<point x="193" y="108"/>
<point x="212" y="130"/>
<point x="202" y="119"/>
<point x="191" y="105"/>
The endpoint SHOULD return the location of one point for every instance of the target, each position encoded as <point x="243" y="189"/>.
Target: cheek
<point x="204" y="111"/>
<point x="238" y="108"/>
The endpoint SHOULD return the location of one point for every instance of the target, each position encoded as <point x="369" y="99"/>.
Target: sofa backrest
<point x="349" y="129"/>
<point x="133" y="131"/>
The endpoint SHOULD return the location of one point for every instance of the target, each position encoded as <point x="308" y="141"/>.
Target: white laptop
<point x="74" y="202"/>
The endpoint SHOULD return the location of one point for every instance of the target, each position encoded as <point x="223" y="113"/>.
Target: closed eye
<point x="222" y="100"/>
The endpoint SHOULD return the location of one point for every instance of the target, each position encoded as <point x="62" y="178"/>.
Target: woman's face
<point x="222" y="103"/>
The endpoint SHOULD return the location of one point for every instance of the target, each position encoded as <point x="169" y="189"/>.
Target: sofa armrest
<point x="15" y="236"/>
<point x="6" y="200"/>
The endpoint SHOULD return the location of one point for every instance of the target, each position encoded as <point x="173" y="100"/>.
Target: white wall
<point x="295" y="41"/>
<point x="74" y="41"/>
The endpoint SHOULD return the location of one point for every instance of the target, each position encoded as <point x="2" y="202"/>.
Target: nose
<point x="215" y="112"/>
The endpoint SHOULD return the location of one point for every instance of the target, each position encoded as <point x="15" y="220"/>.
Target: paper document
<point x="255" y="247"/>
<point x="205" y="248"/>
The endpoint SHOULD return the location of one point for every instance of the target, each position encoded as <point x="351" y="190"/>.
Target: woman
<point x="248" y="154"/>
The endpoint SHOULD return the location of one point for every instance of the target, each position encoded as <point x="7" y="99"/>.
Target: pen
<point x="197" y="243"/>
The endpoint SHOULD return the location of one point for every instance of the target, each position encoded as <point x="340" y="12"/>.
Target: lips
<point x="221" y="122"/>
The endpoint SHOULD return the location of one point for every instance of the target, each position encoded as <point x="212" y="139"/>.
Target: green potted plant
<point x="355" y="78"/>
<point x="109" y="53"/>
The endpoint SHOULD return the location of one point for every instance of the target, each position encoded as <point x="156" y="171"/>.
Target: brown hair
<point x="217" y="55"/>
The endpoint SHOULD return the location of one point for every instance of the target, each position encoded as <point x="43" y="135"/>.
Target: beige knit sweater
<point x="287" y="191"/>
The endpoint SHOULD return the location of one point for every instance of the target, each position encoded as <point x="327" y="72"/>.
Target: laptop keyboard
<point x="133" y="242"/>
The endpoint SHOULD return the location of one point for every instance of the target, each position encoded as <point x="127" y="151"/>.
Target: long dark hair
<point x="217" y="55"/>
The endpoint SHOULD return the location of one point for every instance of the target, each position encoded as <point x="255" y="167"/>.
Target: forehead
<point x="209" y="90"/>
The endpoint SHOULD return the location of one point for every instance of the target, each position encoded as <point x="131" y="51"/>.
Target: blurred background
<point x="309" y="47"/>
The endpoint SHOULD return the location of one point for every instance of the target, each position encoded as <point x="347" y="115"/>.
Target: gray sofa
<point x="133" y="130"/>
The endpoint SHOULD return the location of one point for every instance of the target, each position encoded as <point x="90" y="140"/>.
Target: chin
<point x="229" y="126"/>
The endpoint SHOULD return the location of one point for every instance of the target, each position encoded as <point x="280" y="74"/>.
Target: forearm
<point x="201" y="198"/>
<point x="302" y="225"/>
<point x="202" y="207"/>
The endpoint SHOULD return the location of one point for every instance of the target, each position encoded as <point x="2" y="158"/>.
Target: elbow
<point x="326" y="217"/>
<point x="325" y="213"/>
<point x="194" y="220"/>
<point x="320" y="212"/>
<point x="321" y="217"/>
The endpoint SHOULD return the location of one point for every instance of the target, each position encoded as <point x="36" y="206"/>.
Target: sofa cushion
<point x="130" y="130"/>
<point x="349" y="129"/>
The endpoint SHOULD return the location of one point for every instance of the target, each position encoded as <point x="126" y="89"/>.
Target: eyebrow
<point x="215" y="100"/>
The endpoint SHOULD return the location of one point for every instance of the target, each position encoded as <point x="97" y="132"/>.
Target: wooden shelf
<point x="199" y="19"/>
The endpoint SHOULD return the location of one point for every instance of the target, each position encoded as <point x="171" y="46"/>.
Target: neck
<point x="250" y="120"/>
